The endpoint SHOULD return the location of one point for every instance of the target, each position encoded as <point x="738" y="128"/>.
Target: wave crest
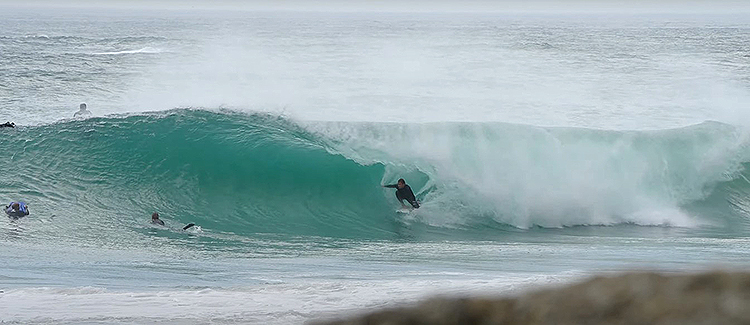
<point x="256" y="173"/>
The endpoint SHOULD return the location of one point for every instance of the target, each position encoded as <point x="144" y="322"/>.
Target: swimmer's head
<point x="15" y="206"/>
<point x="83" y="106"/>
<point x="155" y="216"/>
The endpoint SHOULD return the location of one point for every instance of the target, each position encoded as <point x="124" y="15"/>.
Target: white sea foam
<point x="286" y="303"/>
<point x="552" y="177"/>
<point x="145" y="50"/>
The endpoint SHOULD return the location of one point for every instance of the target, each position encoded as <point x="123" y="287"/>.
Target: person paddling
<point x="155" y="220"/>
<point x="17" y="210"/>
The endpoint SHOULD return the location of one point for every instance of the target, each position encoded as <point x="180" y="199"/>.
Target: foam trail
<point x="145" y="50"/>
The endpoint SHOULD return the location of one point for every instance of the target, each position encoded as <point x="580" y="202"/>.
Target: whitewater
<point x="544" y="148"/>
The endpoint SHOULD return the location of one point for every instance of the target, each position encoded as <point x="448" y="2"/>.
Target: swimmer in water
<point x="17" y="210"/>
<point x="82" y="111"/>
<point x="155" y="219"/>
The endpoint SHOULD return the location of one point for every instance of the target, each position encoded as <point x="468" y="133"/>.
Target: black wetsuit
<point x="8" y="125"/>
<point x="405" y="194"/>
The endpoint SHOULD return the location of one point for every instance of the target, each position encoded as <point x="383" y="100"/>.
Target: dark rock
<point x="636" y="298"/>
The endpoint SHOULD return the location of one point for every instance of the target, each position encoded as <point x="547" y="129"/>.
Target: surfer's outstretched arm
<point x="390" y="186"/>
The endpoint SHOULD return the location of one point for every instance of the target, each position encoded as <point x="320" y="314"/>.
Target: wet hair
<point x="82" y="106"/>
<point x="155" y="215"/>
<point x="15" y="206"/>
<point x="401" y="180"/>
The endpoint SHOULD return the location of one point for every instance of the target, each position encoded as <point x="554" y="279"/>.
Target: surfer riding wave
<point x="404" y="192"/>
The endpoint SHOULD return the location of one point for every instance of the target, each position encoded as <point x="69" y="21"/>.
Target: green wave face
<point x="247" y="174"/>
<point x="226" y="172"/>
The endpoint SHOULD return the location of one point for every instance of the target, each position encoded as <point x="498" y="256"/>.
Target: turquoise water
<point x="251" y="174"/>
<point x="543" y="149"/>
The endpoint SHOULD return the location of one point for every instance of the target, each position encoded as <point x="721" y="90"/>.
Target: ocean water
<point x="544" y="148"/>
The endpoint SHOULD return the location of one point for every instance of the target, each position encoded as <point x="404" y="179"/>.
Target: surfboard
<point x="14" y="215"/>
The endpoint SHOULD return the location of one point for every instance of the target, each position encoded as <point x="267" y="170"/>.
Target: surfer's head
<point x="15" y="206"/>
<point x="155" y="216"/>
<point x="83" y="106"/>
<point x="401" y="183"/>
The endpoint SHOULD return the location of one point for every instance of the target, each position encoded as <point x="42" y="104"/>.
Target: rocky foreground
<point x="635" y="298"/>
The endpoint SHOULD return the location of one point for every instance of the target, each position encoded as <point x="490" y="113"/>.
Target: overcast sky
<point x="661" y="6"/>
